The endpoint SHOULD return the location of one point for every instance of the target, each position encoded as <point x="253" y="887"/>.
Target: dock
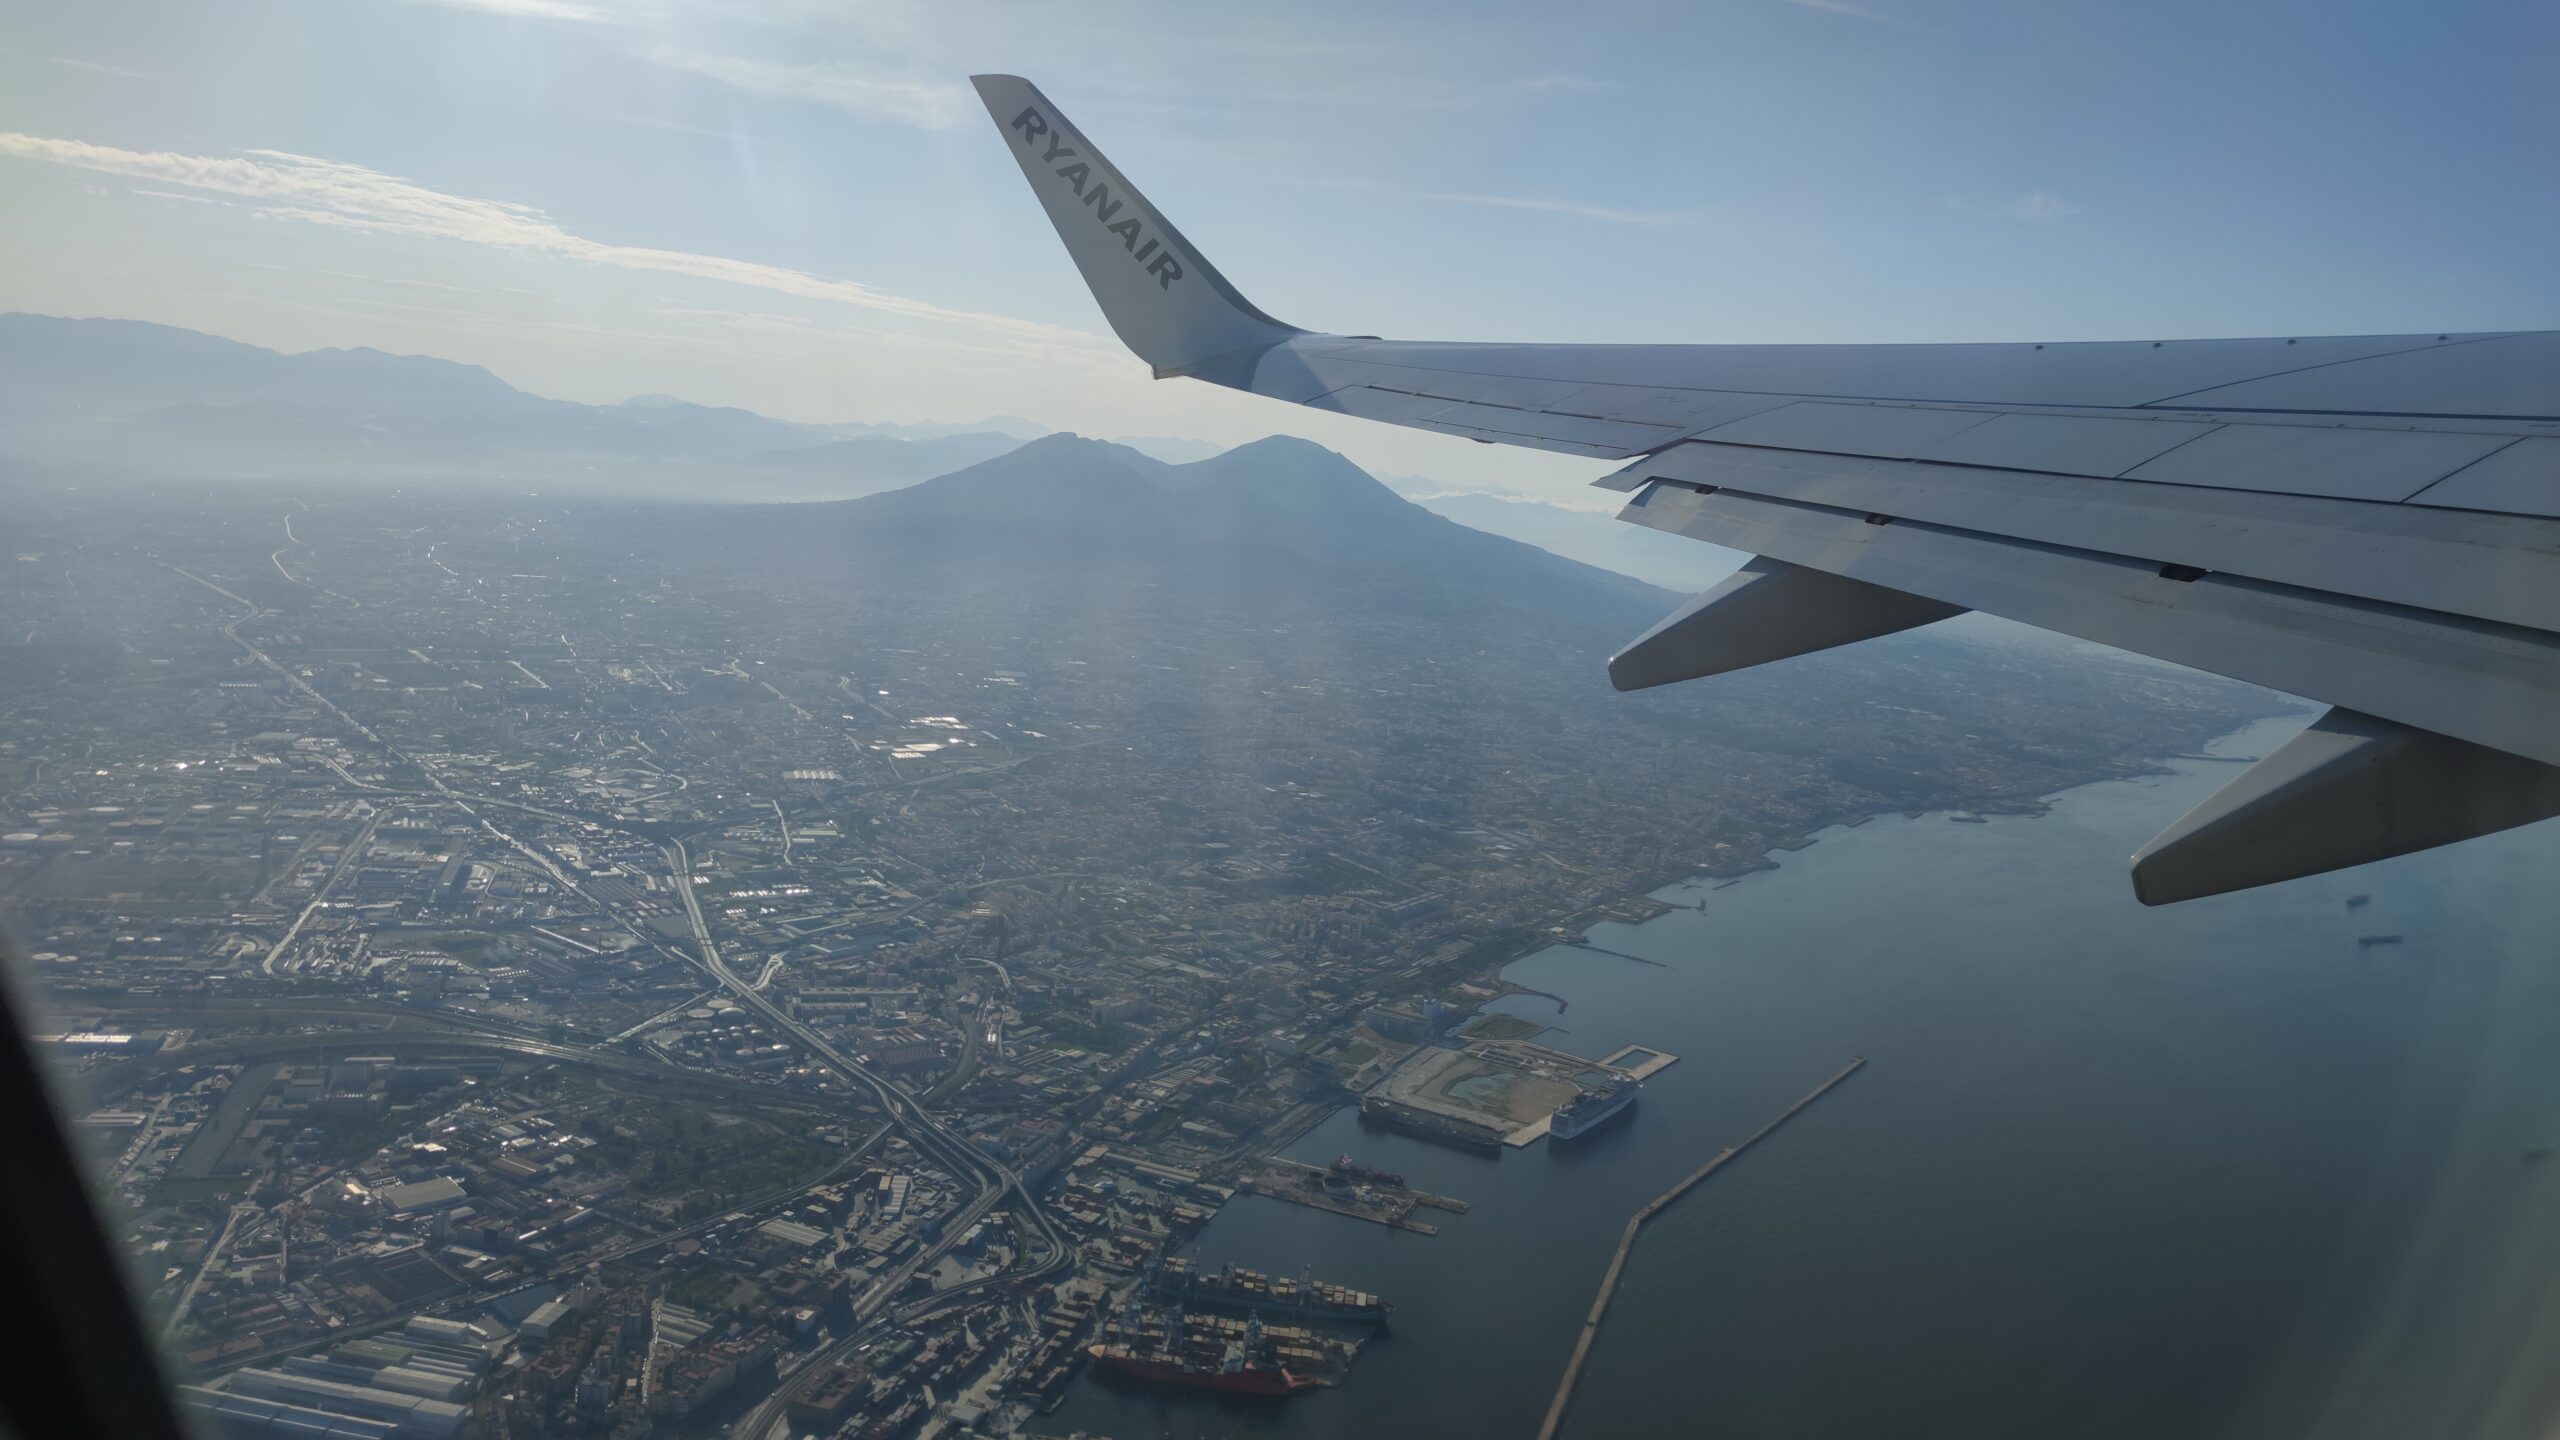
<point x="1641" y="1061"/>
<point x="1633" y="1061"/>
<point x="1635" y="1226"/>
<point x="1614" y="954"/>
<point x="1303" y="1184"/>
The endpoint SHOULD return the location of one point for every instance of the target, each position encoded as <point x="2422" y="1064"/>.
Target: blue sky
<point x="798" y="206"/>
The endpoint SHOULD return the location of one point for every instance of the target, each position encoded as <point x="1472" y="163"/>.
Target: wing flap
<point x="2494" y="685"/>
<point x="1890" y="432"/>
<point x="2496" y="568"/>
<point x="2384" y="465"/>
<point x="2349" y="790"/>
<point x="2089" y="445"/>
<point x="2523" y="479"/>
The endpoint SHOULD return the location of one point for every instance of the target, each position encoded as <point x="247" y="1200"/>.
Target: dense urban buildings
<point x="547" y="968"/>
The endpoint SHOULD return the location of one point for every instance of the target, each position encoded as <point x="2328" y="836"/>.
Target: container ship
<point x="1304" y="1298"/>
<point x="1203" y="1357"/>
<point x="1592" y="1109"/>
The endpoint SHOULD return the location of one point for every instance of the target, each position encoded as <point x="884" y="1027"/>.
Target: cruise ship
<point x="1592" y="1109"/>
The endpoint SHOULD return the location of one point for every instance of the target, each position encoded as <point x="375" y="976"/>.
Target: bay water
<point x="2272" y="1164"/>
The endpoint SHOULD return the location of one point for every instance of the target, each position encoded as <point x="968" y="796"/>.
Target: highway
<point x="957" y="1156"/>
<point x="440" y="1031"/>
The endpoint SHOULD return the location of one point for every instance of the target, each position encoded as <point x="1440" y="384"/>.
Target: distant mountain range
<point x="1279" y="514"/>
<point x="1278" y="600"/>
<point x="1273" y="565"/>
<point x="128" y="399"/>
<point x="123" y="398"/>
<point x="1593" y="537"/>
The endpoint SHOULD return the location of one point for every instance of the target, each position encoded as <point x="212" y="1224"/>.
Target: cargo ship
<point x="1244" y="1366"/>
<point x="1592" y="1109"/>
<point x="1304" y="1298"/>
<point x="1431" y="1125"/>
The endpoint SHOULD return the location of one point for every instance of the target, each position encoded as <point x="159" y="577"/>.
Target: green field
<point x="1503" y="1027"/>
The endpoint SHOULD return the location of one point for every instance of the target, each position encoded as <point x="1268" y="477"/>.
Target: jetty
<point x="1303" y="1184"/>
<point x="1635" y="1226"/>
<point x="1615" y="954"/>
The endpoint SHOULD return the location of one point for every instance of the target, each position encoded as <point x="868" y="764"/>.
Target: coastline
<point x="1647" y="893"/>
<point x="1760" y="995"/>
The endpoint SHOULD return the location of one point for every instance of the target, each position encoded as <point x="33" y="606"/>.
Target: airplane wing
<point x="2371" y="520"/>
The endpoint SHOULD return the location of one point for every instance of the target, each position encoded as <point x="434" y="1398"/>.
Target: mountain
<point x="864" y="464"/>
<point x="1280" y="527"/>
<point x="1013" y="425"/>
<point x="1593" y="537"/>
<point x="1279" y="603"/>
<point x="1171" y="449"/>
<point x="122" y="398"/>
<point x="87" y="368"/>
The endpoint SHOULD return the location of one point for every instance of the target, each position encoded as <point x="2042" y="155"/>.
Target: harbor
<point x="1489" y="1095"/>
<point x="1773" y="976"/>
<point x="1303" y="1298"/>
<point x="1635" y="1227"/>
<point x="1172" y="1345"/>
<point x="1374" y="1198"/>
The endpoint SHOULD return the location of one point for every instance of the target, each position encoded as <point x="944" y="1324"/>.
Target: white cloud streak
<point x="2041" y="207"/>
<point x="536" y="9"/>
<point x="860" y="91"/>
<point x="1854" y="12"/>
<point x="1563" y="83"/>
<point x="1556" y="207"/>
<point x="352" y="197"/>
<point x="94" y="68"/>
<point x="2036" y="207"/>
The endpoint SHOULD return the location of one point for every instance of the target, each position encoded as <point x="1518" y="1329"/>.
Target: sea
<point x="2274" y="1164"/>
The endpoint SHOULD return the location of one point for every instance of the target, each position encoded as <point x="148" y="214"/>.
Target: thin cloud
<point x="2036" y="207"/>
<point x="535" y="9"/>
<point x="94" y="68"/>
<point x="1562" y="83"/>
<point x="659" y="122"/>
<point x="925" y="105"/>
<point x="352" y="197"/>
<point x="1854" y="12"/>
<point x="1557" y="207"/>
<point x="795" y="14"/>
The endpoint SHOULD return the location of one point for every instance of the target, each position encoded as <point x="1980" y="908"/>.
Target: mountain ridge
<point x="114" y="398"/>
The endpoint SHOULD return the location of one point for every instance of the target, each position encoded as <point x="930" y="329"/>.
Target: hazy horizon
<point x="803" y="212"/>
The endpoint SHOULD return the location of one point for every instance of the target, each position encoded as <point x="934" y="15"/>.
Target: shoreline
<point x="1647" y="893"/>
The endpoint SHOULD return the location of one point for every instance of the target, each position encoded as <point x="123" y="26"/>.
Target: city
<point x="554" y="968"/>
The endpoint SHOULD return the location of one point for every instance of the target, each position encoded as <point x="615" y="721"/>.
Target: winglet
<point x="1162" y="296"/>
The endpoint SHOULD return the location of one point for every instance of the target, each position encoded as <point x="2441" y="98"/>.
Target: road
<point x="956" y="1156"/>
<point x="346" y="861"/>
<point x="953" y="1154"/>
<point x="204" y="1267"/>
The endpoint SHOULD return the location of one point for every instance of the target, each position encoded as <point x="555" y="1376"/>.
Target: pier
<point x="1635" y="1226"/>
<point x="1640" y="1061"/>
<point x="1618" y="954"/>
<point x="1303" y="1184"/>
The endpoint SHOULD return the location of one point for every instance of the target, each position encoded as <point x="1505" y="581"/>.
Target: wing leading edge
<point x="2371" y="520"/>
